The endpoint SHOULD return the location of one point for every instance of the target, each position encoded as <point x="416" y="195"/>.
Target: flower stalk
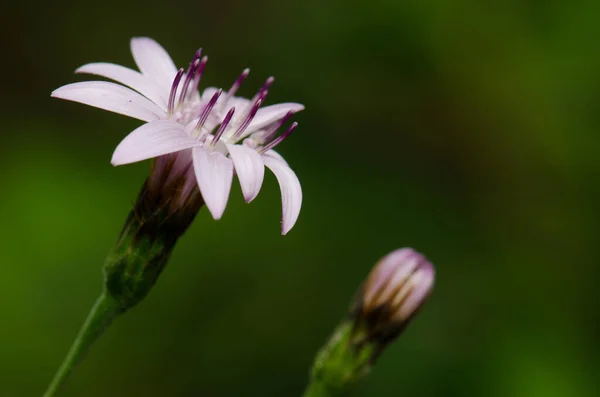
<point x="162" y="213"/>
<point x="101" y="316"/>
<point x="340" y="364"/>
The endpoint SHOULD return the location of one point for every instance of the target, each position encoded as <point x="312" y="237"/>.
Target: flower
<point x="394" y="291"/>
<point x="392" y="294"/>
<point x="203" y="137"/>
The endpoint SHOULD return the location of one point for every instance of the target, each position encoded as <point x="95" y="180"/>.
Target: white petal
<point x="214" y="172"/>
<point x="270" y="114"/>
<point x="250" y="169"/>
<point x="279" y="157"/>
<point x="240" y="103"/>
<point x="220" y="107"/>
<point x="153" y="61"/>
<point x="152" y="140"/>
<point x="112" y="97"/>
<point x="128" y="77"/>
<point x="291" y="192"/>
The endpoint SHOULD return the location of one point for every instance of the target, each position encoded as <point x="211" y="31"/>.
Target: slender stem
<point x="318" y="389"/>
<point x="102" y="314"/>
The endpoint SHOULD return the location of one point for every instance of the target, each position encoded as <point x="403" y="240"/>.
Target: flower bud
<point x="393" y="293"/>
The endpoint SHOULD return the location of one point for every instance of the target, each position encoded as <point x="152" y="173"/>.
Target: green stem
<point x="101" y="316"/>
<point x="318" y="389"/>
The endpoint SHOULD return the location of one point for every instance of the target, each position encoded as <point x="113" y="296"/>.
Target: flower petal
<point x="269" y="114"/>
<point x="422" y="282"/>
<point x="152" y="140"/>
<point x="250" y="169"/>
<point x="379" y="279"/>
<point x="279" y="157"/>
<point x="128" y="77"/>
<point x="291" y="191"/>
<point x="153" y="61"/>
<point x="214" y="173"/>
<point x="112" y="97"/>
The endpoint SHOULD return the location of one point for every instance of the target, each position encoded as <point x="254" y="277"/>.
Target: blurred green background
<point x="467" y="130"/>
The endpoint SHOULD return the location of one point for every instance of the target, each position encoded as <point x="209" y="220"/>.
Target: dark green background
<point x="468" y="130"/>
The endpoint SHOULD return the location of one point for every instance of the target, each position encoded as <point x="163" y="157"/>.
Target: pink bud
<point x="393" y="293"/>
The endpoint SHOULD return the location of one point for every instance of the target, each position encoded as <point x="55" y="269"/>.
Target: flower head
<point x="394" y="291"/>
<point x="198" y="138"/>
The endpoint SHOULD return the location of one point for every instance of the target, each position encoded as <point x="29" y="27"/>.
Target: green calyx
<point x="342" y="362"/>
<point x="145" y="245"/>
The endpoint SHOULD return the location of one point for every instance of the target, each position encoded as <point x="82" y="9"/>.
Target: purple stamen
<point x="263" y="95"/>
<point x="273" y="129"/>
<point x="238" y="82"/>
<point x="249" y="117"/>
<point x="171" y="104"/>
<point x="265" y="87"/>
<point x="188" y="78"/>
<point x="208" y="108"/>
<point x="223" y="126"/>
<point x="279" y="139"/>
<point x="198" y="73"/>
<point x="264" y="90"/>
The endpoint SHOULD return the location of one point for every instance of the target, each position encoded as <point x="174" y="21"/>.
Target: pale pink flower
<point x="212" y="134"/>
<point x="400" y="283"/>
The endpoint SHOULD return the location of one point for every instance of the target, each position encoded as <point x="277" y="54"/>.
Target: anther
<point x="265" y="87"/>
<point x="264" y="90"/>
<point x="198" y="73"/>
<point x="247" y="120"/>
<point x="223" y="126"/>
<point x="268" y="135"/>
<point x="207" y="109"/>
<point x="279" y="139"/>
<point x="171" y="104"/>
<point x="236" y="85"/>
<point x="188" y="79"/>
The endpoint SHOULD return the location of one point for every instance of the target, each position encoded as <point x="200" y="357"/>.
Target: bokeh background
<point x="468" y="130"/>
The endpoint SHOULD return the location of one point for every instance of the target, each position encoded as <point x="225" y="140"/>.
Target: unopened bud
<point x="394" y="291"/>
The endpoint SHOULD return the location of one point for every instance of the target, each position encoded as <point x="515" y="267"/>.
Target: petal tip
<point x="141" y="38"/>
<point x="81" y="69"/>
<point x="216" y="213"/>
<point x="285" y="230"/>
<point x="248" y="198"/>
<point x="287" y="226"/>
<point x="54" y="93"/>
<point x="115" y="161"/>
<point x="61" y="92"/>
<point x="216" y="207"/>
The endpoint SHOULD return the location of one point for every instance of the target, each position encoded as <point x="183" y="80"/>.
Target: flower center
<point x="187" y="107"/>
